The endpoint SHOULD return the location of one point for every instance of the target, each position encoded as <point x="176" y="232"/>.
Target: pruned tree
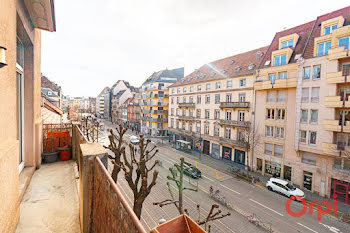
<point x="179" y="185"/>
<point x="115" y="145"/>
<point x="251" y="139"/>
<point x="136" y="172"/>
<point x="212" y="215"/>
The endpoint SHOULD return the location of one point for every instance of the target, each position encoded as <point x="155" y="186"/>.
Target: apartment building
<point x="301" y="89"/>
<point x="20" y="96"/>
<point x="100" y="102"/>
<point x="155" y="101"/>
<point x="211" y="108"/>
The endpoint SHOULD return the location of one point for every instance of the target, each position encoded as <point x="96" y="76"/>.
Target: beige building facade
<point x="211" y="108"/>
<point x="20" y="95"/>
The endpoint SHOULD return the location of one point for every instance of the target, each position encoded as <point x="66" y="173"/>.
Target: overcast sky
<point x="100" y="42"/>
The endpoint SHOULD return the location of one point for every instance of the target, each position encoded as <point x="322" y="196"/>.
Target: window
<point x="172" y="100"/>
<point x="272" y="78"/>
<point x="191" y="88"/>
<point x="184" y="89"/>
<point x="268" y="131"/>
<point x="217" y="98"/>
<point x="304" y="116"/>
<point x="322" y="48"/>
<point x="172" y="123"/>
<point x="190" y="112"/>
<point x="342" y="164"/>
<point x="206" y="129"/>
<point x="178" y="90"/>
<point x="308" y="158"/>
<point x="184" y="112"/>
<point x="184" y="99"/>
<point x="307" y="73"/>
<point x="207" y="113"/>
<point x="240" y="115"/>
<point x="278" y="151"/>
<point x="177" y="112"/>
<point x="281" y="113"/>
<point x="198" y="127"/>
<point x="271" y="96"/>
<point x="198" y="113"/>
<point x="190" y="127"/>
<point x="217" y="114"/>
<point x="312" y="139"/>
<point x="228" y="97"/>
<point x="207" y="99"/>
<point x="198" y="99"/>
<point x="240" y="135"/>
<point x="177" y="124"/>
<point x="199" y="87"/>
<point x="282" y="75"/>
<point x="329" y="29"/>
<point x="207" y="86"/>
<point x="217" y="85"/>
<point x="344" y="42"/>
<point x="268" y="148"/>
<point x="177" y="100"/>
<point x="172" y="112"/>
<point x="315" y="91"/>
<point x="287" y="44"/>
<point x="184" y="125"/>
<point x="279" y="132"/>
<point x="317" y="72"/>
<point x="191" y="99"/>
<point x="280" y="60"/>
<point x="241" y="97"/>
<point x="229" y="83"/>
<point x="305" y="95"/>
<point x="227" y="133"/>
<point x="270" y="113"/>
<point x="314" y="117"/>
<point x="281" y="96"/>
<point x="173" y="91"/>
<point x="242" y="82"/>
<point x="216" y="131"/>
<point x="228" y="115"/>
<point x="302" y="136"/>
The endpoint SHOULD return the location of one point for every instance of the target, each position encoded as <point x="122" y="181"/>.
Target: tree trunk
<point x="138" y="207"/>
<point x="115" y="173"/>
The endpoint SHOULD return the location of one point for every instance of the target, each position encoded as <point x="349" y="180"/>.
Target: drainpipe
<point x="253" y="138"/>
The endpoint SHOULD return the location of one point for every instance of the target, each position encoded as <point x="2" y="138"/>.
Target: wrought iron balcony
<point x="186" y="118"/>
<point x="234" y="105"/>
<point x="235" y="123"/>
<point x="232" y="142"/>
<point x="187" y="105"/>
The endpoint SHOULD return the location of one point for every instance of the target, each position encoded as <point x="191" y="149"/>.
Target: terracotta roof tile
<point x="345" y="12"/>
<point x="233" y="66"/>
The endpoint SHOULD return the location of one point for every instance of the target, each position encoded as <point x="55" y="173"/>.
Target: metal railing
<point x="234" y="105"/>
<point x="235" y="123"/>
<point x="187" y="105"/>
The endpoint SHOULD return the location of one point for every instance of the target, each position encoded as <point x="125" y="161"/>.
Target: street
<point x="246" y="199"/>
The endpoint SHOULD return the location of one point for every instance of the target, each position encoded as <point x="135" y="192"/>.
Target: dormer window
<point x="251" y="66"/>
<point x="49" y="93"/>
<point x="344" y="42"/>
<point x="322" y="48"/>
<point x="237" y="69"/>
<point x="212" y="74"/>
<point x="280" y="60"/>
<point x="328" y="30"/>
<point x="231" y="62"/>
<point x="287" y="44"/>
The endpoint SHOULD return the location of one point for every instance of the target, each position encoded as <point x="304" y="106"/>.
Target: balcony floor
<point x="51" y="204"/>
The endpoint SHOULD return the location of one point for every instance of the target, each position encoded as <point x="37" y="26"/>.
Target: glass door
<point x="20" y="118"/>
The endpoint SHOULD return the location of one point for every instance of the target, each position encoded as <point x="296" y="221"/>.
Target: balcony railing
<point x="237" y="143"/>
<point x="235" y="123"/>
<point x="186" y="118"/>
<point x="162" y="119"/>
<point x="234" y="105"/>
<point x="187" y="105"/>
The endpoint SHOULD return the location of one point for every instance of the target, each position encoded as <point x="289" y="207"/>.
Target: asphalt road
<point x="246" y="198"/>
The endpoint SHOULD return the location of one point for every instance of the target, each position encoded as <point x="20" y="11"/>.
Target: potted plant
<point x="50" y="153"/>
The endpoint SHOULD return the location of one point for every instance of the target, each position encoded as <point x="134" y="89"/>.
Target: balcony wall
<point x="336" y="77"/>
<point x="332" y="125"/>
<point x="279" y="83"/>
<point x="333" y="102"/>
<point x="338" y="53"/>
<point x="234" y="105"/>
<point x="186" y="105"/>
<point x="235" y="123"/>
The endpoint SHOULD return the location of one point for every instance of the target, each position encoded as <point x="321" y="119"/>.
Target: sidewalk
<point x="50" y="204"/>
<point x="221" y="166"/>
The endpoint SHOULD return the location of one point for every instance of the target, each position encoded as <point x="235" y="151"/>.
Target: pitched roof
<point x="161" y="76"/>
<point x="345" y="12"/>
<point x="233" y="66"/>
<point x="303" y="31"/>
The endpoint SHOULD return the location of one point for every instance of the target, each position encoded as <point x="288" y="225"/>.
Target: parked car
<point x="192" y="171"/>
<point x="283" y="187"/>
<point x="134" y="140"/>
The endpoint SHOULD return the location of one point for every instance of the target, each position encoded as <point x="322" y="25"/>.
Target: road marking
<point x="208" y="178"/>
<point x="266" y="207"/>
<point x="306" y="227"/>
<point x="230" y="189"/>
<point x="219" y="177"/>
<point x="332" y="229"/>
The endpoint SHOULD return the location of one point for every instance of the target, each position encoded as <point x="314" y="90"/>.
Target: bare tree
<point x="251" y="139"/>
<point x="115" y="145"/>
<point x="212" y="215"/>
<point x="136" y="171"/>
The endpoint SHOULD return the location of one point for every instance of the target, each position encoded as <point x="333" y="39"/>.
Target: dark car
<point x="192" y="171"/>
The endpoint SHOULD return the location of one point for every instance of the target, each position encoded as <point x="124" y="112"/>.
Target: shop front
<point x="273" y="168"/>
<point x="198" y="144"/>
<point x="226" y="153"/>
<point x="239" y="157"/>
<point x="341" y="191"/>
<point x="206" y="147"/>
<point x="215" y="151"/>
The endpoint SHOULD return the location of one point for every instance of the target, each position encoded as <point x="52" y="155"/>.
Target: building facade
<point x="100" y="102"/>
<point x="211" y="108"/>
<point x="155" y="101"/>
<point x="20" y="95"/>
<point x="301" y="89"/>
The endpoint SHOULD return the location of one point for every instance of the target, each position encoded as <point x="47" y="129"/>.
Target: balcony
<point x="335" y="149"/>
<point x="336" y="126"/>
<point x="231" y="142"/>
<point x="235" y="123"/>
<point x="187" y="118"/>
<point x="145" y="118"/>
<point x="234" y="105"/>
<point x="336" y="102"/>
<point x="338" y="53"/>
<point x="278" y="83"/>
<point x="161" y="119"/>
<point x="337" y="77"/>
<point x="187" y="105"/>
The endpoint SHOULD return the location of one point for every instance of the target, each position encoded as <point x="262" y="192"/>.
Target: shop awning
<point x="184" y="142"/>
